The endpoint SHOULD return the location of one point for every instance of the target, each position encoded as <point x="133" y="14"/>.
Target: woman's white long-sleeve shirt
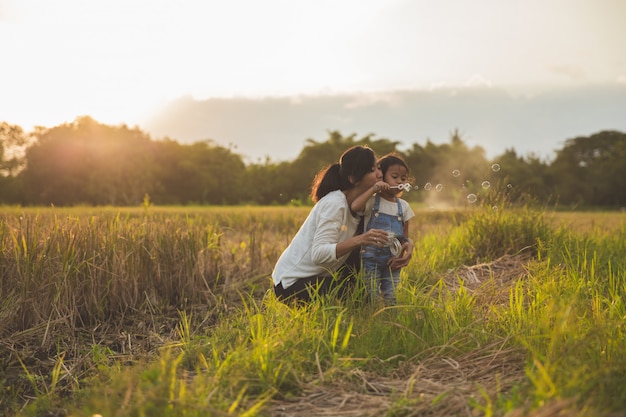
<point x="313" y="250"/>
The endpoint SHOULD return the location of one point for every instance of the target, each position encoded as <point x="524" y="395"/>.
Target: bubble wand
<point x="405" y="187"/>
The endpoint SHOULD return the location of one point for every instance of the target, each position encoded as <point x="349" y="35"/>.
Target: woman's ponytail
<point x="354" y="162"/>
<point x="327" y="180"/>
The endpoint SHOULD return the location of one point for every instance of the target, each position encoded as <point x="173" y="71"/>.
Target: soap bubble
<point x="509" y="186"/>
<point x="427" y="186"/>
<point x="438" y="187"/>
<point x="486" y="185"/>
<point x="456" y="173"/>
<point x="471" y="198"/>
<point x="495" y="167"/>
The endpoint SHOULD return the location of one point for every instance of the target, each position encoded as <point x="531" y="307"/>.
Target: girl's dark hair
<point x="390" y="160"/>
<point x="355" y="162"/>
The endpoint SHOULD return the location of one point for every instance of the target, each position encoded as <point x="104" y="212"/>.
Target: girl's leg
<point x="388" y="284"/>
<point x="371" y="270"/>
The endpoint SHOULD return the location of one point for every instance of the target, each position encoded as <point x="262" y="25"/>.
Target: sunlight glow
<point x="119" y="60"/>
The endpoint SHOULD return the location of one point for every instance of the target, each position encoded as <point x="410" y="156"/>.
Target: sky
<point x="125" y="61"/>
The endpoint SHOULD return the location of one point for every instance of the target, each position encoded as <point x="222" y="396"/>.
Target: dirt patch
<point x="437" y="386"/>
<point x="489" y="282"/>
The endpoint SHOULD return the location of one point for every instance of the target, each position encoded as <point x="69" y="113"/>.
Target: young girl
<point x="329" y="234"/>
<point x="384" y="209"/>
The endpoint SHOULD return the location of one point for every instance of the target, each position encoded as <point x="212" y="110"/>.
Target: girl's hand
<point x="380" y="186"/>
<point x="405" y="256"/>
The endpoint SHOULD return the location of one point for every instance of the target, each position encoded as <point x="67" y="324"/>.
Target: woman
<point x="315" y="257"/>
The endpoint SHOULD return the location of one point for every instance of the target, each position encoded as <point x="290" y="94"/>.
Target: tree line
<point x="89" y="163"/>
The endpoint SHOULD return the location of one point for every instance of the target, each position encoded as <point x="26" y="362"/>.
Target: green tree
<point x="13" y="141"/>
<point x="170" y="185"/>
<point x="525" y="179"/>
<point x="270" y="183"/>
<point x="317" y="155"/>
<point x="199" y="173"/>
<point x="454" y="166"/>
<point x="85" y="162"/>
<point x="220" y="173"/>
<point x="590" y="170"/>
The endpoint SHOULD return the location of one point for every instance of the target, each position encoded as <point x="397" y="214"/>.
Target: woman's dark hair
<point x="390" y="160"/>
<point x="355" y="162"/>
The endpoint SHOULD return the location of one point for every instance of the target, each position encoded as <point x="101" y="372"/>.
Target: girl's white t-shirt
<point x="313" y="250"/>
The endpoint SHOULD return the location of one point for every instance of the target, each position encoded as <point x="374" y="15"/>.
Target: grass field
<point x="166" y="311"/>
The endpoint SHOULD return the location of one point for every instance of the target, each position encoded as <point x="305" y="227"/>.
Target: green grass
<point x="167" y="311"/>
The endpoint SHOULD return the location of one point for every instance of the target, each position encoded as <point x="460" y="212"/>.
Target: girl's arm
<point x="358" y="205"/>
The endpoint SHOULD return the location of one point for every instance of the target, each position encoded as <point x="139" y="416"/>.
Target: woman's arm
<point x="327" y="245"/>
<point x="350" y="244"/>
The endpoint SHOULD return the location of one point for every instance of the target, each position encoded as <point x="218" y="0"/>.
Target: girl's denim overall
<point x="375" y="259"/>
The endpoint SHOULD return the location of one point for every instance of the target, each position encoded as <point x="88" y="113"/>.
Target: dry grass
<point x="437" y="386"/>
<point x="588" y="222"/>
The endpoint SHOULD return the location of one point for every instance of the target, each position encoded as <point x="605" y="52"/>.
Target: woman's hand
<point x="375" y="237"/>
<point x="403" y="260"/>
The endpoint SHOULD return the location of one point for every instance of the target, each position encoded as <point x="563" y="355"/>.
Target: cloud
<point x="477" y="80"/>
<point x="370" y="99"/>
<point x="489" y="117"/>
<point x="573" y="72"/>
